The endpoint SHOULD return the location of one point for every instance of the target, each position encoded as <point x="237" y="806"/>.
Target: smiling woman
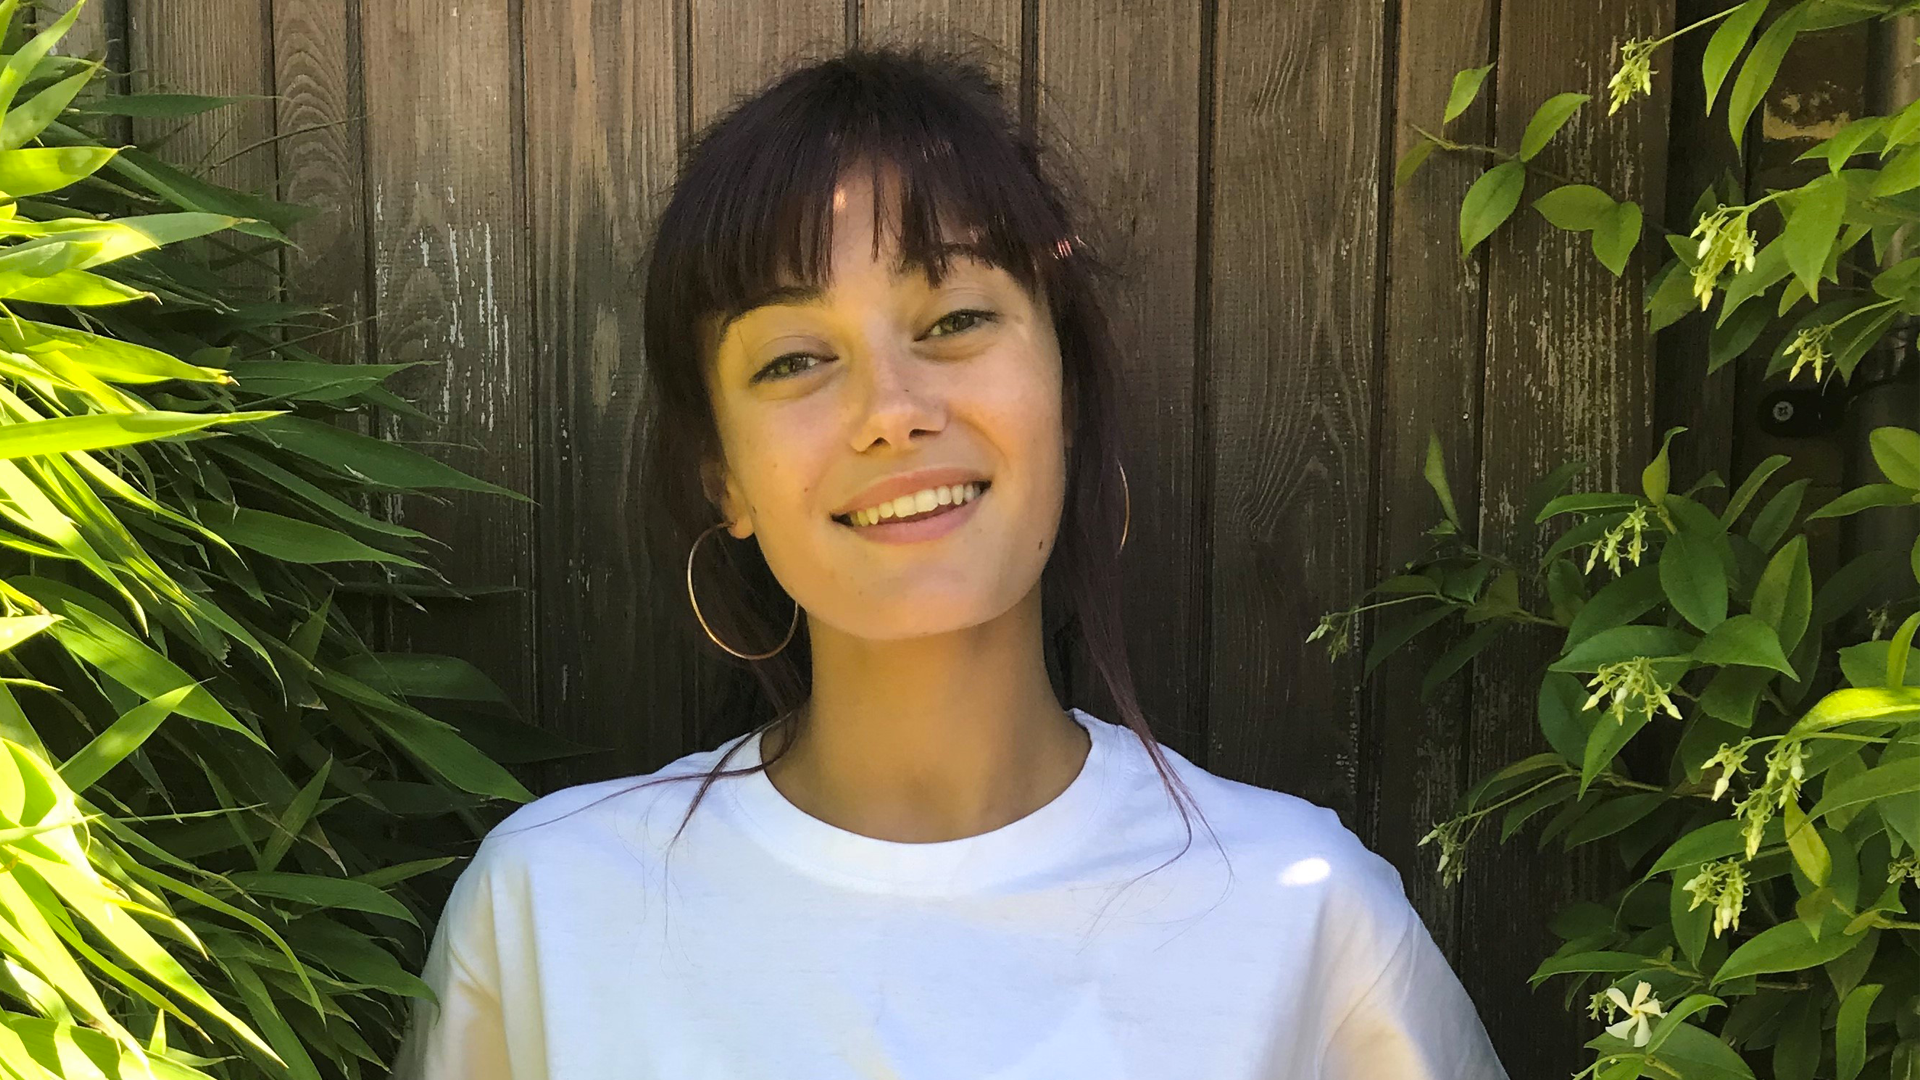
<point x="877" y="353"/>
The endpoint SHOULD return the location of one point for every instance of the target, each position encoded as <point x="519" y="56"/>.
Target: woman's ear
<point x="714" y="483"/>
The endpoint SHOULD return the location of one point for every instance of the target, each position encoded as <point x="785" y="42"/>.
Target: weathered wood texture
<point x="1294" y="329"/>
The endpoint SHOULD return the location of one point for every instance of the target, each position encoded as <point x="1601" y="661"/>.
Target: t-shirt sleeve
<point x="463" y="1037"/>
<point x="1413" y="1022"/>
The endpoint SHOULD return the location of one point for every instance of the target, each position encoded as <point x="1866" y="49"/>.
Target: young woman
<point x="878" y="360"/>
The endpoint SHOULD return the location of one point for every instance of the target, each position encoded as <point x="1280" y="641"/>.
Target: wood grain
<point x="443" y="136"/>
<point x="1569" y="373"/>
<point x="1433" y="348"/>
<point x="1119" y="102"/>
<point x="602" y="127"/>
<point x="1289" y="395"/>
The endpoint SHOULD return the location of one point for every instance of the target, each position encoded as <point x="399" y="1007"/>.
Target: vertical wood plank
<point x="737" y="46"/>
<point x="1430" y="383"/>
<point x="220" y="47"/>
<point x="443" y="144"/>
<point x="317" y="73"/>
<point x="1119" y="100"/>
<point x="602" y="126"/>
<point x="1569" y="374"/>
<point x="993" y="22"/>
<point x="1289" y="394"/>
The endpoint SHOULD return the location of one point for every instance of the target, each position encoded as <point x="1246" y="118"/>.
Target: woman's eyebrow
<point x="779" y="294"/>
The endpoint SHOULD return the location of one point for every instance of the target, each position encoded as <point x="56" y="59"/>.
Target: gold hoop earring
<point x="1128" y="493"/>
<point x="703" y="619"/>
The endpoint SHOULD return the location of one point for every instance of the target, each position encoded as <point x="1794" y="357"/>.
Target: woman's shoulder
<point x="596" y="813"/>
<point x="1300" y="840"/>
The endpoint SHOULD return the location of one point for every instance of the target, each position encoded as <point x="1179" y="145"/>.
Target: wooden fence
<point x="1295" y="327"/>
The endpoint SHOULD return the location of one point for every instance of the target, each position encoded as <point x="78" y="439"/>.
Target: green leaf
<point x="1565" y="724"/>
<point x="15" y="629"/>
<point x="29" y="120"/>
<point x="1769" y="266"/>
<point x="373" y="460"/>
<point x="1902" y="777"/>
<point x="1489" y="202"/>
<point x="1618" y="603"/>
<point x="1786" y="947"/>
<point x="1853" y="704"/>
<point x="1900" y="127"/>
<point x="1897" y="451"/>
<point x="1616" y="236"/>
<point x="1746" y="640"/>
<point x="1457" y="657"/>
<point x="1435" y="471"/>
<point x="1547" y="121"/>
<point x="1466" y="87"/>
<point x="1847" y="142"/>
<point x="1575" y="207"/>
<point x="1772" y="520"/>
<point x="323" y="892"/>
<point x="1900" y="174"/>
<point x="1694" y="578"/>
<point x="1850" y="1032"/>
<point x="1756" y="75"/>
<point x="292" y="539"/>
<point x="1728" y="340"/>
<point x="1411" y="161"/>
<point x="1809" y="851"/>
<point x="1626" y="643"/>
<point x="1655" y="478"/>
<point x="122" y="738"/>
<point x="1604" y="962"/>
<point x="1812" y="229"/>
<point x="1729" y="38"/>
<point x="67" y="434"/>
<point x="1751" y="487"/>
<point x="1865" y="497"/>
<point x="49" y="168"/>
<point x="1783" y="598"/>
<point x="1865" y="665"/>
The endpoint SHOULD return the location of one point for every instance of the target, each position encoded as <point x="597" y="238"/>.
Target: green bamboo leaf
<point x="15" y="629"/>
<point x="26" y="60"/>
<point x="122" y="738"/>
<point x="1489" y="202"/>
<point x="66" y="434"/>
<point x="374" y="460"/>
<point x="41" y="169"/>
<point x="1850" y="1032"/>
<point x="1756" y="75"/>
<point x="1729" y="38"/>
<point x="321" y="892"/>
<point x="446" y="678"/>
<point x="107" y="358"/>
<point x="1901" y="777"/>
<point x="158" y="106"/>
<point x="29" y="120"/>
<point x="291" y="539"/>
<point x="1466" y="87"/>
<point x="1547" y="122"/>
<point x="1694" y="579"/>
<point x="1865" y="497"/>
<point x="74" y="288"/>
<point x="1812" y="228"/>
<point x="433" y="743"/>
<point x="1615" y="237"/>
<point x="294" y="821"/>
<point x="1745" y="640"/>
<point x="1897" y="451"/>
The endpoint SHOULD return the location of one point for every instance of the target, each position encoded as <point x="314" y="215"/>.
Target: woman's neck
<point x="931" y="738"/>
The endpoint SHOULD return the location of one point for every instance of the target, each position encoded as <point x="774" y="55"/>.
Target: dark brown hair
<point x="752" y="209"/>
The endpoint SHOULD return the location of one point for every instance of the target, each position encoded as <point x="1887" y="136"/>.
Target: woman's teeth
<point x="920" y="502"/>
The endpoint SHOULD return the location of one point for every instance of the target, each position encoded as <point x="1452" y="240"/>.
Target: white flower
<point x="1642" y="1006"/>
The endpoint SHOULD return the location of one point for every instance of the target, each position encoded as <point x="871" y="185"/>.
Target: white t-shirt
<point x="769" y="943"/>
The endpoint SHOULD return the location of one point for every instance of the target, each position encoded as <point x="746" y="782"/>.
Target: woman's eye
<point x="968" y="319"/>
<point x="768" y="371"/>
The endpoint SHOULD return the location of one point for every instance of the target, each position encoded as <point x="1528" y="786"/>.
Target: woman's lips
<point x="928" y="526"/>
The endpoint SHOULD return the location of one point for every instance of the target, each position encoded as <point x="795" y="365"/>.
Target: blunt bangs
<point x="762" y="192"/>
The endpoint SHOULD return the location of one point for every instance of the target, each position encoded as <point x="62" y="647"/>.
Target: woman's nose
<point x="897" y="396"/>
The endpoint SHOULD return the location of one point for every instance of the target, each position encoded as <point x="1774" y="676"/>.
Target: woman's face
<point x="819" y="398"/>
